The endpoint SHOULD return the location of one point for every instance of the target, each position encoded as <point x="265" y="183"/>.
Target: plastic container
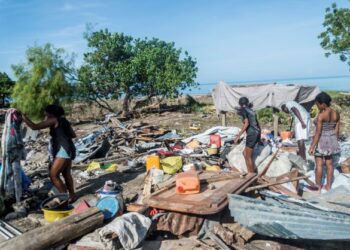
<point x="152" y="161"/>
<point x="157" y="176"/>
<point x="215" y="139"/>
<point x="171" y="165"/>
<point x="187" y="183"/>
<point x="109" y="206"/>
<point x="54" y="215"/>
<point x="286" y="135"/>
<point x="213" y="168"/>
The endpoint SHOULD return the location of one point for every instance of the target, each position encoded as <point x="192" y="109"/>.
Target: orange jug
<point x="215" y="139"/>
<point x="187" y="183"/>
<point x="152" y="161"/>
<point x="286" y="135"/>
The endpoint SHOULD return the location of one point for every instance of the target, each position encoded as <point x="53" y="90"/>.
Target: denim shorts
<point x="62" y="153"/>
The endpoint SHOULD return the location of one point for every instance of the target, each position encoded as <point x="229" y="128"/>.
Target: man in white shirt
<point x="302" y="123"/>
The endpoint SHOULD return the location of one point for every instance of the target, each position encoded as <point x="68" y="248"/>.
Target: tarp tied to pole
<point x="226" y="96"/>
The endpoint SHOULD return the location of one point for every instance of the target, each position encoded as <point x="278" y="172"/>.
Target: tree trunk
<point x="126" y="104"/>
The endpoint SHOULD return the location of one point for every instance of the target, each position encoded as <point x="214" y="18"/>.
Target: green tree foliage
<point x="118" y="65"/>
<point x="42" y="80"/>
<point x="6" y="85"/>
<point x="336" y="37"/>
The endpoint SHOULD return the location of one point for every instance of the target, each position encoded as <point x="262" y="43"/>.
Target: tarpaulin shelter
<point x="226" y="96"/>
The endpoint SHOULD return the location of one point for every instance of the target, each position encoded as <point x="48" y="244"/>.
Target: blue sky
<point x="232" y="40"/>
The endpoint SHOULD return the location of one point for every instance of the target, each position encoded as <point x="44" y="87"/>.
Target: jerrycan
<point x="187" y="183"/>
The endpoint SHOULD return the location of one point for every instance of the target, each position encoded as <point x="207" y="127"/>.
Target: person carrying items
<point x="63" y="149"/>
<point x="252" y="128"/>
<point x="302" y="124"/>
<point x="325" y="142"/>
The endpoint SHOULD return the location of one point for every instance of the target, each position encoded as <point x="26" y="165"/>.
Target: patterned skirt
<point x="328" y="144"/>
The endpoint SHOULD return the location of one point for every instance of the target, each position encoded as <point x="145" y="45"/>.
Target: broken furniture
<point x="212" y="197"/>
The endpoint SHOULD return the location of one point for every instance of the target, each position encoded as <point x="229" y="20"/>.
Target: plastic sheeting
<point x="281" y="165"/>
<point x="340" y="179"/>
<point x="226" y="96"/>
<point x="236" y="158"/>
<point x="227" y="134"/>
<point x="131" y="229"/>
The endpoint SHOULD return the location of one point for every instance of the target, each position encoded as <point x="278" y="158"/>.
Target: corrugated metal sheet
<point x="288" y="221"/>
<point x="336" y="200"/>
<point x="180" y="224"/>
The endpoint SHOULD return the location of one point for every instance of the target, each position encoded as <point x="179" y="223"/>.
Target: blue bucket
<point x="109" y="206"/>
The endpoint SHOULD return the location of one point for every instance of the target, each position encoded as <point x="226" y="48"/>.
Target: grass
<point x="334" y="94"/>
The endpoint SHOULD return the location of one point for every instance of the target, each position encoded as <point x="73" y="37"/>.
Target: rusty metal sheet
<point x="180" y="224"/>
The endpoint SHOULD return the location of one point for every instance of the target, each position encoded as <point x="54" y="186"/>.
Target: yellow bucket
<point x="54" y="215"/>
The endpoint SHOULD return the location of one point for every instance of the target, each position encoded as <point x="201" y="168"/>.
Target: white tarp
<point x="226" y="134"/>
<point x="226" y="96"/>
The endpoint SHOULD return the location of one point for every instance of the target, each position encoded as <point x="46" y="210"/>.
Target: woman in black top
<point x="63" y="149"/>
<point x="252" y="128"/>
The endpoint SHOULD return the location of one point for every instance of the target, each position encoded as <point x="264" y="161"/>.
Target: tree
<point x="160" y="69"/>
<point x="6" y="85"/>
<point x="44" y="79"/>
<point x="107" y="69"/>
<point x="119" y="65"/>
<point x="336" y="37"/>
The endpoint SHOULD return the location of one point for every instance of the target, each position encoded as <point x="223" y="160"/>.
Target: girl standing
<point x="325" y="142"/>
<point x="63" y="148"/>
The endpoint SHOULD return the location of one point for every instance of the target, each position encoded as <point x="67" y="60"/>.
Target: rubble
<point x="116" y="152"/>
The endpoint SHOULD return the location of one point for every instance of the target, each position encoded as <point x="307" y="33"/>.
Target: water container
<point x="286" y="135"/>
<point x="157" y="176"/>
<point x="152" y="161"/>
<point x="215" y="139"/>
<point x="109" y="206"/>
<point x="187" y="183"/>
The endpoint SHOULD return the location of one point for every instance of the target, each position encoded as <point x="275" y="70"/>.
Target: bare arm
<point x="337" y="127"/>
<point x="317" y="134"/>
<point x="36" y="126"/>
<point x="243" y="129"/>
<point x="298" y="115"/>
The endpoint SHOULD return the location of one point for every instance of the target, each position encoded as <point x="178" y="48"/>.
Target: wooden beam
<point x="223" y="119"/>
<point x="275" y="123"/>
<point x="275" y="183"/>
<point x="57" y="233"/>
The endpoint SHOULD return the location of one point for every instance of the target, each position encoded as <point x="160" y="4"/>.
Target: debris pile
<point x="140" y="183"/>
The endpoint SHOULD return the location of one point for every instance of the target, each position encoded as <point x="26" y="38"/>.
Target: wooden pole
<point x="275" y="183"/>
<point x="223" y="119"/>
<point x="57" y="233"/>
<point x="275" y="123"/>
<point x="263" y="172"/>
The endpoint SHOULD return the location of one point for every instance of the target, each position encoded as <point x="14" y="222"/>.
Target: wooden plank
<point x="280" y="189"/>
<point x="275" y="183"/>
<point x="263" y="172"/>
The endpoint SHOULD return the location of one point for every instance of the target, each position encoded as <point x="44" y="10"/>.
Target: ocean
<point x="339" y="84"/>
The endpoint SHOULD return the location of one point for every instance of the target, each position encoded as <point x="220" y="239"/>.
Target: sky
<point x="237" y="41"/>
